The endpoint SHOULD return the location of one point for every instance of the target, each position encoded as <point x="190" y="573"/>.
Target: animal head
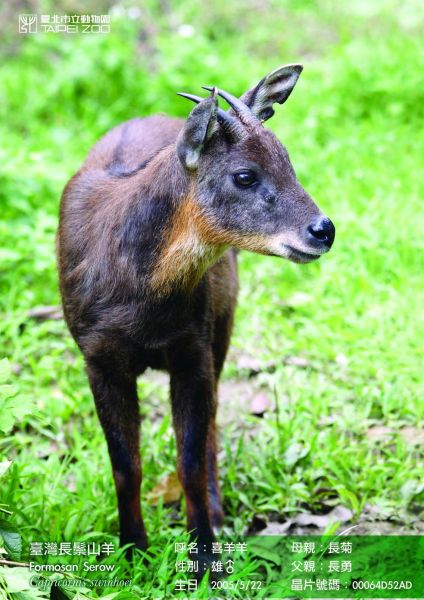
<point x="242" y="177"/>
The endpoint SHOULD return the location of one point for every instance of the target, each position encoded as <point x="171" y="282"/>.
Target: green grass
<point x="353" y="128"/>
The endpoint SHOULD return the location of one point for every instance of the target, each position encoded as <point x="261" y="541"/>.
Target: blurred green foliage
<point x="353" y="128"/>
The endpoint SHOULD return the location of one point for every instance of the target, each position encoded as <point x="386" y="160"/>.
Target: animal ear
<point x="201" y="124"/>
<point x="275" y="87"/>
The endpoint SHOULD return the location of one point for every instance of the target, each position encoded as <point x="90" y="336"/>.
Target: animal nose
<point x="323" y="231"/>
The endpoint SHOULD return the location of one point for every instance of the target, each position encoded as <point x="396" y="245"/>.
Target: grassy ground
<point x="337" y="345"/>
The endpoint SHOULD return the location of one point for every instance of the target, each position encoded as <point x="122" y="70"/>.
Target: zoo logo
<point x="27" y="23"/>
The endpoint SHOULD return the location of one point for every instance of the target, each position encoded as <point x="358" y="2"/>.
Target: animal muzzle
<point x="314" y="240"/>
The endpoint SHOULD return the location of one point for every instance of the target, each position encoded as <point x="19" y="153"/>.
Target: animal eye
<point x="244" y="178"/>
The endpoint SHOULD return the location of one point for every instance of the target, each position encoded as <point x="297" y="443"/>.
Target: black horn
<point x="240" y="108"/>
<point x="229" y="124"/>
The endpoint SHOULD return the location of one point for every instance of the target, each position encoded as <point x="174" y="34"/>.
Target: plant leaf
<point x="4" y="465"/>
<point x="5" y="370"/>
<point x="11" y="539"/>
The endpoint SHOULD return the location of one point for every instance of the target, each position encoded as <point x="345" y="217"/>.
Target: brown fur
<point x="189" y="249"/>
<point x="96" y="271"/>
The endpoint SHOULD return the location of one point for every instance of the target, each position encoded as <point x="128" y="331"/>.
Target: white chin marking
<point x="293" y="250"/>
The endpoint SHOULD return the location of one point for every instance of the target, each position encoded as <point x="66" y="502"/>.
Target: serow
<point x="147" y="244"/>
